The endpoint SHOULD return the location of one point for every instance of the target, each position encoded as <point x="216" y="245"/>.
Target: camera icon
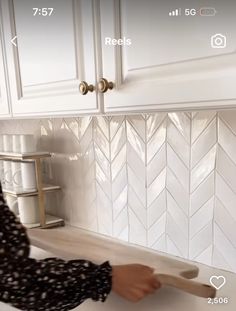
<point x="218" y="41"/>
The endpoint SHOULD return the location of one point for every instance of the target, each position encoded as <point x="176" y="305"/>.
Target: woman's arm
<point x="50" y="284"/>
<point x="55" y="284"/>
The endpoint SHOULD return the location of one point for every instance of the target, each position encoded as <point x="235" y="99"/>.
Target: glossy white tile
<point x="137" y="207"/>
<point x="120" y="202"/>
<point x="177" y="237"/>
<point x="156" y="187"/>
<point x="201" y="218"/>
<point x="226" y="168"/>
<point x="225" y="221"/>
<point x="177" y="191"/>
<point x="227" y="140"/>
<point x="84" y="123"/>
<point x="137" y="232"/>
<point x="178" y="168"/>
<point x="204" y="143"/>
<point x="226" y="195"/>
<point x="161" y="180"/>
<point x="178" y="143"/>
<point x="138" y="185"/>
<point x="202" y="194"/>
<point x="177" y="214"/>
<point x="156" y="209"/>
<point x="200" y="121"/>
<point x="135" y="163"/>
<point x="120" y="223"/>
<point x="153" y="123"/>
<point x="203" y="169"/>
<point x="119" y="183"/>
<point x="201" y="241"/>
<point x="102" y="141"/>
<point x="135" y="141"/>
<point x="115" y="124"/>
<point x="224" y="245"/>
<point x="229" y="117"/>
<point x="138" y="123"/>
<point x="118" y="162"/>
<point x="182" y="123"/>
<point x="157" y="230"/>
<point x="156" y="165"/>
<point x="103" y="124"/>
<point x="156" y="142"/>
<point x="118" y="141"/>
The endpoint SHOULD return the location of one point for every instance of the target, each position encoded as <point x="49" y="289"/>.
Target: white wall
<point x="164" y="181"/>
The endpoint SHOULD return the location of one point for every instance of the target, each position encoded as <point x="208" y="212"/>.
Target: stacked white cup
<point x="1" y="163"/>
<point x="28" y="145"/>
<point x="1" y="142"/>
<point x="28" y="209"/>
<point x="18" y="175"/>
<point x="16" y="166"/>
<point x="28" y="206"/>
<point x="6" y="173"/>
<point x="7" y="142"/>
<point x="11" y="174"/>
<point x="16" y="143"/>
<point x="12" y="203"/>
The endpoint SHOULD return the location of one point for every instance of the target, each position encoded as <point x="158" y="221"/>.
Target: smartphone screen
<point x="171" y="64"/>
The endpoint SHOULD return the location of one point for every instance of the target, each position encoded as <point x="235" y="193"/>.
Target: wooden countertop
<point x="71" y="243"/>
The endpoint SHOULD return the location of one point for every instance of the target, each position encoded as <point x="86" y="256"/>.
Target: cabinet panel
<point x="53" y="55"/>
<point x="45" y="44"/>
<point x="4" y="106"/>
<point x="170" y="63"/>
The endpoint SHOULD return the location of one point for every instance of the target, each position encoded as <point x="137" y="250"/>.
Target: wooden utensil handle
<point x="189" y="286"/>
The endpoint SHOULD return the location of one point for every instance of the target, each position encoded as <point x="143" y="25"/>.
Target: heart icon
<point x="217" y="281"/>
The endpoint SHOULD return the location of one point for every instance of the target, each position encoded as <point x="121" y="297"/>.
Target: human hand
<point x="134" y="281"/>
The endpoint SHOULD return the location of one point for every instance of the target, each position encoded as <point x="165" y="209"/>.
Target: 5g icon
<point x="190" y="12"/>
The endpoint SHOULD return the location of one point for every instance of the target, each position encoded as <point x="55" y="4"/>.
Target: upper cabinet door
<point x="4" y="106"/>
<point x="164" y="62"/>
<point x="54" y="52"/>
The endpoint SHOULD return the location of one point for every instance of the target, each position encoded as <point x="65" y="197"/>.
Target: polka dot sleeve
<point x="48" y="284"/>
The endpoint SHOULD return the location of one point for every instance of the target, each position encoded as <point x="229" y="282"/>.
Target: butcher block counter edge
<point x="70" y="243"/>
<point x="75" y="243"/>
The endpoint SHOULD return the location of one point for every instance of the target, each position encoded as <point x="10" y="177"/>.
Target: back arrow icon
<point x="13" y="40"/>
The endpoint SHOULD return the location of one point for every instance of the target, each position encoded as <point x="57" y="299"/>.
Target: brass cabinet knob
<point x="104" y="85"/>
<point x="85" y="88"/>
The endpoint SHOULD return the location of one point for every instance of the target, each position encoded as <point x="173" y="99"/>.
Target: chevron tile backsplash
<point x="166" y="181"/>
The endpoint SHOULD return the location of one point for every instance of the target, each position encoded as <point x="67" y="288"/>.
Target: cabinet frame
<point x="53" y="98"/>
<point x="5" y="108"/>
<point x="164" y="87"/>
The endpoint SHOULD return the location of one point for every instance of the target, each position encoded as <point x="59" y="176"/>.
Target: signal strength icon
<point x="176" y="12"/>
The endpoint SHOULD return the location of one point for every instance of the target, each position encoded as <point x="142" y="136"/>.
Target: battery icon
<point x="208" y="11"/>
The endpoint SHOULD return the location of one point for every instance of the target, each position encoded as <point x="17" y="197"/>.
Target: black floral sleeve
<point x="48" y="284"/>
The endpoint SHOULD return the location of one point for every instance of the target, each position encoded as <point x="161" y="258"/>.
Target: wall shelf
<point x="27" y="193"/>
<point x="50" y="222"/>
<point x="46" y="221"/>
<point x="23" y="156"/>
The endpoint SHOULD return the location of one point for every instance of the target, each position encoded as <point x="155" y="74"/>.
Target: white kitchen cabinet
<point x="170" y="63"/>
<point x="4" y="104"/>
<point x="53" y="55"/>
